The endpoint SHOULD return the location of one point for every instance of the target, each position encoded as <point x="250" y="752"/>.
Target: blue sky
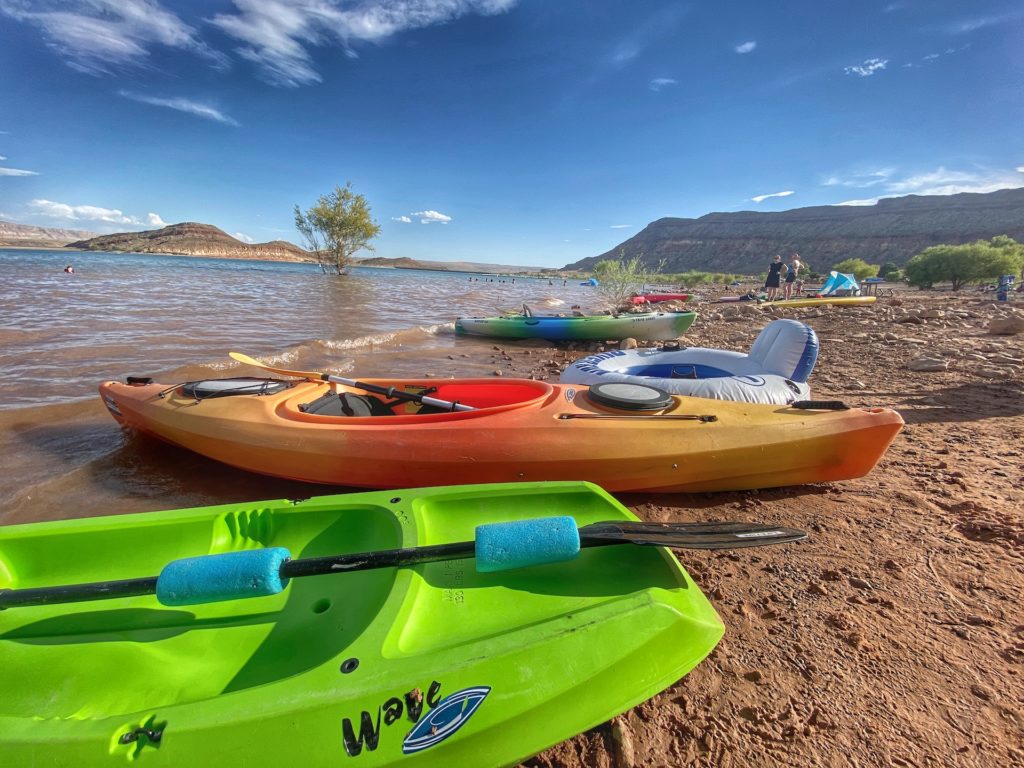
<point x="513" y="131"/>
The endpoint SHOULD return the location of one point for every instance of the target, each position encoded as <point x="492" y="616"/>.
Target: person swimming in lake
<point x="69" y="269"/>
<point x="791" y="275"/>
<point x="776" y="269"/>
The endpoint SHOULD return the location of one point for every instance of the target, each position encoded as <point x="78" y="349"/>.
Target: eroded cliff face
<point x="193" y="239"/>
<point x="892" y="230"/>
<point x="28" y="235"/>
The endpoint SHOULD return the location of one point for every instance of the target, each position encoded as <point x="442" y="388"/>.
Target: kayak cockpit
<point x="98" y="659"/>
<point x="484" y="396"/>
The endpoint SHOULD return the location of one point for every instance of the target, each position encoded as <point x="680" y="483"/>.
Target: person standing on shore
<point x="791" y="276"/>
<point x="775" y="273"/>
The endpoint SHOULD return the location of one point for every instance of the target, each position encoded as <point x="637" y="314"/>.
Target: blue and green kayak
<point x="647" y="326"/>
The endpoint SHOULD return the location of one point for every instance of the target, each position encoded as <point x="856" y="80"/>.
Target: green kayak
<point x="435" y="664"/>
<point x="647" y="326"/>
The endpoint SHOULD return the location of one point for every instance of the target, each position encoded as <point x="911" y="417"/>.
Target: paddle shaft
<point x="682" y="535"/>
<point x="397" y="393"/>
<point x="388" y="391"/>
<point x="669" y="416"/>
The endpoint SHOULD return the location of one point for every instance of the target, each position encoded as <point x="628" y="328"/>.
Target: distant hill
<point x="444" y="266"/>
<point x="192" y="239"/>
<point x="28" y="236"/>
<point x="893" y="230"/>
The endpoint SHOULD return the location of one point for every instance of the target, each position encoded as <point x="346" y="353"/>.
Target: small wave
<point x="391" y="338"/>
<point x="550" y="301"/>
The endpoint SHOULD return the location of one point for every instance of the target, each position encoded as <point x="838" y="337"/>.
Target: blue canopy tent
<point x="839" y="284"/>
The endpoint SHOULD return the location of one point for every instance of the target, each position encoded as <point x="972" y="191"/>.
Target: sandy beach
<point x="894" y="634"/>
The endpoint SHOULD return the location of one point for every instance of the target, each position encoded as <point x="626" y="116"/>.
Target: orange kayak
<point x="521" y="430"/>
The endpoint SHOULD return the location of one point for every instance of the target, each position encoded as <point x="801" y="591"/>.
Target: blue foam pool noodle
<point x="518" y="544"/>
<point x="227" y="576"/>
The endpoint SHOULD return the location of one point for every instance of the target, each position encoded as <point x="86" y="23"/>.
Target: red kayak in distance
<point x="654" y="298"/>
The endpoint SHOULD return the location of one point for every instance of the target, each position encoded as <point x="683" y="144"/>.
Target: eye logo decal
<point x="450" y="714"/>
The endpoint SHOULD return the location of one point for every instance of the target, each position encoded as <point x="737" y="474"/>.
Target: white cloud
<point x="244" y="237"/>
<point x="946" y="182"/>
<point x="16" y="172"/>
<point x="431" y="217"/>
<point x="860" y="179"/>
<point x="2" y="158"/>
<point x="182" y="105"/>
<point x="94" y="36"/>
<point x="54" y="210"/>
<point x="868" y="68"/>
<point x="155" y="220"/>
<point x="403" y="219"/>
<point x="762" y="198"/>
<point x="965" y="26"/>
<point x="621" y="226"/>
<point x="276" y="35"/>
<point x="661" y="82"/>
<point x="746" y="47"/>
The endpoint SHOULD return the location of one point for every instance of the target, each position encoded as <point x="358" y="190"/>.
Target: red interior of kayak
<point x="485" y="395"/>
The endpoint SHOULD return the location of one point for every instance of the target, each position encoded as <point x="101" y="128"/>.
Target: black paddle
<point x="386" y="391"/>
<point x="714" y="535"/>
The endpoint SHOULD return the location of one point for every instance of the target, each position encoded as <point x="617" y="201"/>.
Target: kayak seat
<point x="347" y="404"/>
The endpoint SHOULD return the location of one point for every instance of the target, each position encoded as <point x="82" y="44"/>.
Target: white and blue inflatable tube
<point x="774" y="372"/>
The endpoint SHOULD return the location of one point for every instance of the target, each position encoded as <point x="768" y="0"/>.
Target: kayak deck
<point x="535" y="431"/>
<point x="650" y="326"/>
<point x="231" y="679"/>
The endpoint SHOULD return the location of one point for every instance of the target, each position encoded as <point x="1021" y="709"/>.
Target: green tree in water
<point x="336" y="228"/>
<point x="620" y="279"/>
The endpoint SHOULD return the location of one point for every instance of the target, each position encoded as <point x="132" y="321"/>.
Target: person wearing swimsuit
<point x="791" y="275"/>
<point x="774" y="278"/>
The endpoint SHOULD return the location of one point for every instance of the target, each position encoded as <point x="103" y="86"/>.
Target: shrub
<point x="966" y="263"/>
<point x="856" y="267"/>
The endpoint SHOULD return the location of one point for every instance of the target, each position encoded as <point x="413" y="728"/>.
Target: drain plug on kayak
<point x="349" y="665"/>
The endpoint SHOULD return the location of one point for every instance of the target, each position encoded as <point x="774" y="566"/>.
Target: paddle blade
<point x="246" y="360"/>
<point x="722" y="535"/>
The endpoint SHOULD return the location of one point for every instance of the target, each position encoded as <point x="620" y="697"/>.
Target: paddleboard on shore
<point x="840" y="301"/>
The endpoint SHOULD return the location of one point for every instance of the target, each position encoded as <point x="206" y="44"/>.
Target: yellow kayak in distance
<point x="843" y="301"/>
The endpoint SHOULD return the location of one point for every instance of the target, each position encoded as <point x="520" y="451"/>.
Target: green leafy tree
<point x="337" y="227"/>
<point x="966" y="263"/>
<point x="887" y="269"/>
<point x="618" y="279"/>
<point x="856" y="267"/>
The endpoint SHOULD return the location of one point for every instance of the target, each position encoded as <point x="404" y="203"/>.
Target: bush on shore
<point x="960" y="265"/>
<point x="856" y="267"/>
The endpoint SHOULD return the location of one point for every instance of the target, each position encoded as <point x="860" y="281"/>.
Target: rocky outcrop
<point x="192" y="239"/>
<point x="892" y="230"/>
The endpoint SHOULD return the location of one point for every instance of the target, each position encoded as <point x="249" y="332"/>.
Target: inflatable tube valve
<point x="228" y="576"/>
<point x="503" y="546"/>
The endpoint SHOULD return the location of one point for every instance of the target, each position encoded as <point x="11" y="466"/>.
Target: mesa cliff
<point x="894" y="229"/>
